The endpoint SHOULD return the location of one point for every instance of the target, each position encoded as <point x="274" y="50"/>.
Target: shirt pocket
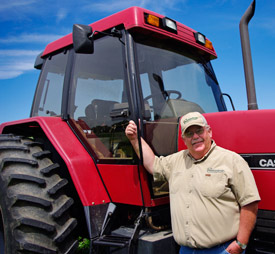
<point x="213" y="185"/>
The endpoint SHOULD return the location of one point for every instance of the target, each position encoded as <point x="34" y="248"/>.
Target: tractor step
<point x="112" y="241"/>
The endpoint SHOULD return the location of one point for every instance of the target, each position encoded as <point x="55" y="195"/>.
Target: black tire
<point x="34" y="211"/>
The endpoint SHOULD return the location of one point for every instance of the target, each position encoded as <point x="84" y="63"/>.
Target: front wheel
<point x="34" y="209"/>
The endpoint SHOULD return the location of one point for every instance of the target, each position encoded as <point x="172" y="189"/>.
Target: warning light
<point x="208" y="44"/>
<point x="152" y="20"/>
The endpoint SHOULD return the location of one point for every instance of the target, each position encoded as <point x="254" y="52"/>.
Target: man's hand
<point x="148" y="154"/>
<point x="131" y="131"/>
<point x="247" y="221"/>
<point x="234" y="248"/>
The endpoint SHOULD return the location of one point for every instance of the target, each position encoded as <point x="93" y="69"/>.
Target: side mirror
<point x="82" y="40"/>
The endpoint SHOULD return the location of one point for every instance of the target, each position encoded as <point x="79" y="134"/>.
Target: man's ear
<point x="210" y="131"/>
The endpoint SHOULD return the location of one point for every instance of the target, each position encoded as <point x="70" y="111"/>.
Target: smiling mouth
<point x="197" y="142"/>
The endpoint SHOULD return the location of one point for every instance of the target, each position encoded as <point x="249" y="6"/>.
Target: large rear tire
<point x="34" y="209"/>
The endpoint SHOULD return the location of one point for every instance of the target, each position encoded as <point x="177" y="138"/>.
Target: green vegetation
<point x="84" y="245"/>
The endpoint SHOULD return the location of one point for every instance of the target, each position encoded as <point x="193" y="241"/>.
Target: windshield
<point x="174" y="83"/>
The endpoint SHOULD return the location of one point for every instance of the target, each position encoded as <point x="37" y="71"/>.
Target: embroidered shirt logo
<point x="212" y="170"/>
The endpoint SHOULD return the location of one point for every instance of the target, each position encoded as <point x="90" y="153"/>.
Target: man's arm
<point x="147" y="153"/>
<point x="248" y="217"/>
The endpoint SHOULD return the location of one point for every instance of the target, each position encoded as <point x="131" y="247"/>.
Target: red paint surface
<point x="133" y="18"/>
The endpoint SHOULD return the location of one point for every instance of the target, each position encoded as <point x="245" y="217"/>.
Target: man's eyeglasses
<point x="190" y="134"/>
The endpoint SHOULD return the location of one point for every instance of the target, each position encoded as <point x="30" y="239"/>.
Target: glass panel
<point x="100" y="101"/>
<point x="50" y="87"/>
<point x="173" y="83"/>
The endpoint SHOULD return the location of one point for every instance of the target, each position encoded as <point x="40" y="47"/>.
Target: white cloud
<point x="61" y="14"/>
<point x="9" y="74"/>
<point x="18" y="10"/>
<point x="10" y="5"/>
<point x="15" y="62"/>
<point x="19" y="52"/>
<point x="26" y="11"/>
<point x="111" y="6"/>
<point x="31" y="38"/>
<point x="19" y="65"/>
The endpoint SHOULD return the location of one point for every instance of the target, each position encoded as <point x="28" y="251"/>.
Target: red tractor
<point x="69" y="170"/>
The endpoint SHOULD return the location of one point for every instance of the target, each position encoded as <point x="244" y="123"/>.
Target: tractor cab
<point x="129" y="75"/>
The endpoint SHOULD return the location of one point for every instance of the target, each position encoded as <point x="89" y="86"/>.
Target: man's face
<point x="198" y="140"/>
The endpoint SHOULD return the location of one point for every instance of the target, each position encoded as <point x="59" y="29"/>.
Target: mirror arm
<point x="114" y="33"/>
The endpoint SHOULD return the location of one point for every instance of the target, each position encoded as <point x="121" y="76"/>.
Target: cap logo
<point x="189" y="119"/>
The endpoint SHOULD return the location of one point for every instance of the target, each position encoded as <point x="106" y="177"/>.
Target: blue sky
<point x="27" y="26"/>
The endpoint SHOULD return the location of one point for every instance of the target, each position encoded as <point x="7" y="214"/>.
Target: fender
<point x="81" y="166"/>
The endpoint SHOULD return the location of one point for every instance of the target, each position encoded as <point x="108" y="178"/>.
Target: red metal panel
<point x="80" y="164"/>
<point x="122" y="182"/>
<point x="247" y="132"/>
<point x="144" y="180"/>
<point x="265" y="180"/>
<point x="124" y="185"/>
<point x="131" y="18"/>
<point x="250" y="131"/>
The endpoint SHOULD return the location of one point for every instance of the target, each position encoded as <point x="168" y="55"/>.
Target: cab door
<point x="100" y="110"/>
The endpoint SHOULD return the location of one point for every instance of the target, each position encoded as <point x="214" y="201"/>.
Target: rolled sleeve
<point x="160" y="167"/>
<point x="164" y="165"/>
<point x="244" y="185"/>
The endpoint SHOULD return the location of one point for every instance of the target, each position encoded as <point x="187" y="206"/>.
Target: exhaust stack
<point x="247" y="59"/>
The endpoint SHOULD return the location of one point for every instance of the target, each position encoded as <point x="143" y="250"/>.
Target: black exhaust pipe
<point x="247" y="59"/>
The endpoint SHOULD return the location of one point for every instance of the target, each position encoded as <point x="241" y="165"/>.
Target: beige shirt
<point x="206" y="195"/>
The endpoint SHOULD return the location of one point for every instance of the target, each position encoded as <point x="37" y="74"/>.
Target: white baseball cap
<point x="192" y="118"/>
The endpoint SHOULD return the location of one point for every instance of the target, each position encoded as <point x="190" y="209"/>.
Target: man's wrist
<point x="241" y="245"/>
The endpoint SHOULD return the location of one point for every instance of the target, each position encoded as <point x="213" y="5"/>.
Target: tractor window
<point x="100" y="104"/>
<point x="174" y="82"/>
<point x="49" y="93"/>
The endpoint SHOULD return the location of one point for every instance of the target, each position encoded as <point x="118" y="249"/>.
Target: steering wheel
<point x="167" y="94"/>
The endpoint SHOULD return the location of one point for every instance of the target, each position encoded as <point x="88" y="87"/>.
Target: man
<point x="213" y="195"/>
